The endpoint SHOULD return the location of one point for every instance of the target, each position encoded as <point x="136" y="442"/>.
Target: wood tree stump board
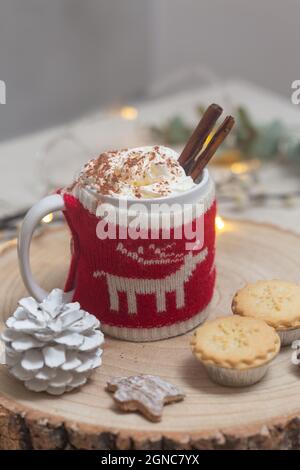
<point x="266" y="415"/>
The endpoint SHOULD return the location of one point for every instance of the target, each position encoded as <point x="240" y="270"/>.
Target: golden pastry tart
<point x="276" y="302"/>
<point x="235" y="342"/>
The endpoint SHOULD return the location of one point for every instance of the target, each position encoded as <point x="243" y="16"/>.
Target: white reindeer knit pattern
<point x="159" y="287"/>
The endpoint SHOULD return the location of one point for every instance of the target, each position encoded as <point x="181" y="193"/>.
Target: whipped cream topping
<point x="138" y="173"/>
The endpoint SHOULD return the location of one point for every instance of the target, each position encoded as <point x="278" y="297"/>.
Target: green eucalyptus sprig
<point x="268" y="141"/>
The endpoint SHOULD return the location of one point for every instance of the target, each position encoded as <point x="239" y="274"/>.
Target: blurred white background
<point x="63" y="58"/>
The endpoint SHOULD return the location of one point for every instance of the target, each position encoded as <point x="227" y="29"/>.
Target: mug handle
<point x="49" y="204"/>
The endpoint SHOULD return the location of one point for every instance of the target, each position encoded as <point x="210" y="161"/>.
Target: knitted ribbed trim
<point x="92" y="204"/>
<point x="155" y="334"/>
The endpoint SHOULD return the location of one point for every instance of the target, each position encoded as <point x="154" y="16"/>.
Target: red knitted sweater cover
<point x="140" y="289"/>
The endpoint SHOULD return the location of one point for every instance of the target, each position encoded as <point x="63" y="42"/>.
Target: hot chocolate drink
<point x="142" y="284"/>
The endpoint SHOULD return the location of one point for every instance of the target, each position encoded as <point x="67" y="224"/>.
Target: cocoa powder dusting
<point x="127" y="172"/>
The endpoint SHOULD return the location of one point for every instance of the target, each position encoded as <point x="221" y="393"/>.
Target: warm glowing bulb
<point x="48" y="218"/>
<point x="239" y="168"/>
<point x="220" y="224"/>
<point x="129" y="112"/>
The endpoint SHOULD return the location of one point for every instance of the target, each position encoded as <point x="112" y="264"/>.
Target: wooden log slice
<point x="266" y="415"/>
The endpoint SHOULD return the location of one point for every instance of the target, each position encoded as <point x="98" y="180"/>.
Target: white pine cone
<point x="52" y="346"/>
<point x="296" y="354"/>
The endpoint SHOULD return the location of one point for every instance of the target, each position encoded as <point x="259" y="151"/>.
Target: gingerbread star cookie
<point x="144" y="393"/>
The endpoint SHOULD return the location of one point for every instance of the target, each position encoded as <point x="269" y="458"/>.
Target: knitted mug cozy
<point x="141" y="289"/>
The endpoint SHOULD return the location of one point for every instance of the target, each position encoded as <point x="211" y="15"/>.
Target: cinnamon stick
<point x="199" y="136"/>
<point x="202" y="160"/>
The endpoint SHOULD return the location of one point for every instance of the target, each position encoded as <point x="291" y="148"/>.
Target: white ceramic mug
<point x="135" y="297"/>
